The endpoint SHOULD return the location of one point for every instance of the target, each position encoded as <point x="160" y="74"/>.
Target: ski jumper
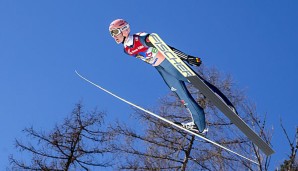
<point x="139" y="46"/>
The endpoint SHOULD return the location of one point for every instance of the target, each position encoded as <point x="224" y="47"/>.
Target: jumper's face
<point x="117" y="35"/>
<point x="119" y="38"/>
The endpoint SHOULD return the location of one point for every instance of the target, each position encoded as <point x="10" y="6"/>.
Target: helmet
<point x="119" y="26"/>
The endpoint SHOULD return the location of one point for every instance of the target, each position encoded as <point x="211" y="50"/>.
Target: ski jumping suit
<point x="139" y="46"/>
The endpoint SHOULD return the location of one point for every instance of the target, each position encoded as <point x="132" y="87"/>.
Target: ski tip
<point x="77" y="72"/>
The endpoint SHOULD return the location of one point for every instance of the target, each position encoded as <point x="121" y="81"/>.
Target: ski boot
<point x="192" y="127"/>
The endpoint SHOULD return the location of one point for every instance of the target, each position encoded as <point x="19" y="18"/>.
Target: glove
<point x="194" y="60"/>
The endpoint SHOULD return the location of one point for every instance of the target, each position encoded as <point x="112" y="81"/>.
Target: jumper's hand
<point x="194" y="60"/>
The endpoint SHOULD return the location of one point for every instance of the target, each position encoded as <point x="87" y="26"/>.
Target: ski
<point x="201" y="85"/>
<point x="164" y="119"/>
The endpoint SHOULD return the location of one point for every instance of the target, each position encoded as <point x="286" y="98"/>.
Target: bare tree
<point x="164" y="147"/>
<point x="76" y="144"/>
<point x="292" y="163"/>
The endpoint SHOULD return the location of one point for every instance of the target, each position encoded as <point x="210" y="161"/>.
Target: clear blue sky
<point x="43" y="42"/>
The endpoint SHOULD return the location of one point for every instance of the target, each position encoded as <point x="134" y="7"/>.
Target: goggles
<point x="117" y="31"/>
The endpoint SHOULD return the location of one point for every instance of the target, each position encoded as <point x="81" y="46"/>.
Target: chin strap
<point x="123" y="40"/>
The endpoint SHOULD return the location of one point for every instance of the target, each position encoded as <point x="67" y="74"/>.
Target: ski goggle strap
<point x="116" y="32"/>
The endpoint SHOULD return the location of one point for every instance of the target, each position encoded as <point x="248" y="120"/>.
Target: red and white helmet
<point x="119" y="26"/>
